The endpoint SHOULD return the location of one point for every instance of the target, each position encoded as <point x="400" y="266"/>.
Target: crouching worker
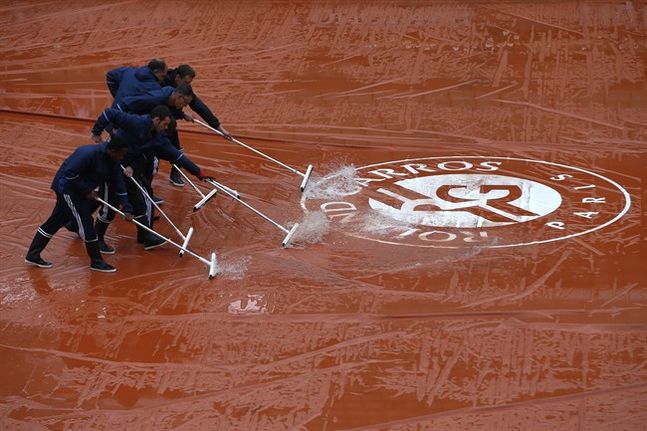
<point x="147" y="139"/>
<point x="75" y="184"/>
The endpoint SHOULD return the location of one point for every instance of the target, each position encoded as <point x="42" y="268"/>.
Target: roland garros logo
<point x="467" y="201"/>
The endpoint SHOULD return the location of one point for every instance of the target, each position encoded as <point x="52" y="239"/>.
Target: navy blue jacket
<point x="87" y="168"/>
<point x="130" y="81"/>
<point x="142" y="142"/>
<point x="145" y="102"/>
<point x="198" y="106"/>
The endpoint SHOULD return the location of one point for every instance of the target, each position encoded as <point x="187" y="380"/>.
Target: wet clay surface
<point x="496" y="317"/>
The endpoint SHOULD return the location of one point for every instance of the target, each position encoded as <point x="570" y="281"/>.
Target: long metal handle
<point x="188" y="180"/>
<point x="242" y="144"/>
<point x="145" y="193"/>
<point x="202" y="259"/>
<point x="229" y="189"/>
<point x="225" y="189"/>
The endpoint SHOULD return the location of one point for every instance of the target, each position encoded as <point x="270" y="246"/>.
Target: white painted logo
<point x="457" y="201"/>
<point x="466" y="200"/>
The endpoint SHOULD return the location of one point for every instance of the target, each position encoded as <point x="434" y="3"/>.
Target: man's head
<point x="158" y="67"/>
<point x="181" y="96"/>
<point x="117" y="148"/>
<point x="161" y="117"/>
<point x="184" y="74"/>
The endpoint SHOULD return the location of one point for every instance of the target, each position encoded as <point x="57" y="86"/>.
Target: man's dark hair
<point x="161" y="111"/>
<point x="185" y="70"/>
<point x="184" y="90"/>
<point x="116" y="143"/>
<point x="157" y="65"/>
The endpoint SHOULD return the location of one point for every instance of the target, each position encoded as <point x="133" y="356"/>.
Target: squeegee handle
<point x="202" y="259"/>
<point x="188" y="180"/>
<point x="146" y="195"/>
<point x="224" y="189"/>
<point x="242" y="144"/>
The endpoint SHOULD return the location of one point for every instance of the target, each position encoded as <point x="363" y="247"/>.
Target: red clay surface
<point x="358" y="330"/>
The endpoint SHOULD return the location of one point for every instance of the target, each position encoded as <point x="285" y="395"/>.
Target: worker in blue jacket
<point x="146" y="140"/>
<point x="76" y="183"/>
<point x="130" y="81"/>
<point x="176" y="98"/>
<point x="143" y="133"/>
<point x="185" y="74"/>
<point x="150" y="77"/>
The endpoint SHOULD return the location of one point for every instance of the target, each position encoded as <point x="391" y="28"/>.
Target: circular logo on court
<point x="467" y="201"/>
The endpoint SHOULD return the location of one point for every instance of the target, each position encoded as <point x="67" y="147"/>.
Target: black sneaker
<point x="158" y="200"/>
<point x="38" y="261"/>
<point x="105" y="248"/>
<point x="101" y="266"/>
<point x="176" y="179"/>
<point x="153" y="242"/>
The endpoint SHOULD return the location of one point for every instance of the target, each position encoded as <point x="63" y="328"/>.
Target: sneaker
<point x="101" y="266"/>
<point x="153" y="243"/>
<point x="105" y="248"/>
<point x="38" y="261"/>
<point x="158" y="200"/>
<point x="176" y="179"/>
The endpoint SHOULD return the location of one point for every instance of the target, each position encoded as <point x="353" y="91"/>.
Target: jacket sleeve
<point x="129" y="122"/>
<point x="168" y="152"/>
<point x="80" y="163"/>
<point x="117" y="183"/>
<point x="130" y="158"/>
<point x="113" y="79"/>
<point x="102" y="122"/>
<point x="178" y="114"/>
<point x="144" y="103"/>
<point x="203" y="110"/>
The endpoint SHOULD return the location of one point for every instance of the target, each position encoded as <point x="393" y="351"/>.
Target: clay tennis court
<point x="471" y="253"/>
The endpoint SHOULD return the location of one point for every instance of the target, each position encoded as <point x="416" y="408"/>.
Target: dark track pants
<point x="71" y="207"/>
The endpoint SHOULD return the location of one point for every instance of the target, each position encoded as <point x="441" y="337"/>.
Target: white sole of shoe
<point x="104" y="270"/>
<point x="29" y="262"/>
